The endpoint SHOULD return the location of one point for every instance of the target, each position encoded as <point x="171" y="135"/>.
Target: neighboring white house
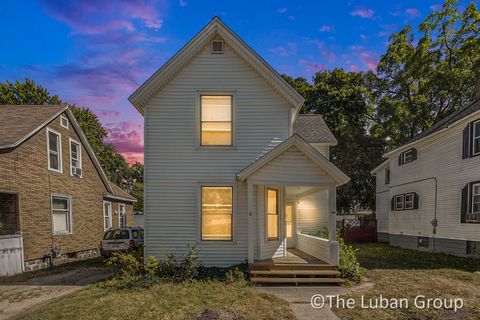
<point x="428" y="190"/>
<point x="230" y="166"/>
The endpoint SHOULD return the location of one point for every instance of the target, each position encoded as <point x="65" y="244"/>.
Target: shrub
<point x="348" y="265"/>
<point x="234" y="275"/>
<point x="180" y="269"/>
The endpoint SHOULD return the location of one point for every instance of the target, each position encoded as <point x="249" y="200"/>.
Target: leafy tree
<point x="26" y="93"/>
<point x="137" y="192"/>
<point x="344" y="100"/>
<point x="137" y="172"/>
<point x="423" y="80"/>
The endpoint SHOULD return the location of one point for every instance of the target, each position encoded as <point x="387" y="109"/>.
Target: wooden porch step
<point x="320" y="272"/>
<point x="291" y="266"/>
<point x="295" y="280"/>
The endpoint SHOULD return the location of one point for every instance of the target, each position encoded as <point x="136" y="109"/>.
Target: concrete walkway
<point x="19" y="298"/>
<point x="300" y="298"/>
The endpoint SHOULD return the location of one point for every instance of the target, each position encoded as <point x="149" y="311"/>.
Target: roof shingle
<point x="313" y="129"/>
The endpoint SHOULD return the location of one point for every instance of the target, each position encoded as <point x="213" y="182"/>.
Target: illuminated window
<point x="272" y="214"/>
<point x="216" y="120"/>
<point x="289" y="220"/>
<point x="217" y="213"/>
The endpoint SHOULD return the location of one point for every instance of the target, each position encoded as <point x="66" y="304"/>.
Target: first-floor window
<point x="399" y="202"/>
<point x="122" y="216"/>
<point x="61" y="214"/>
<point x="107" y="215"/>
<point x="476" y="198"/>
<point x="272" y="214"/>
<point x="409" y="203"/>
<point x="217" y="213"/>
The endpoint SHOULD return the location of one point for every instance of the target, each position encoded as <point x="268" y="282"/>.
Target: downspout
<point x="434" y="221"/>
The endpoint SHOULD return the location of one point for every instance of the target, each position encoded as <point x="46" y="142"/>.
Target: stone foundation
<point x="38" y="264"/>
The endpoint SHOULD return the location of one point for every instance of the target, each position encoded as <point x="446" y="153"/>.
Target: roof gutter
<point x="109" y="196"/>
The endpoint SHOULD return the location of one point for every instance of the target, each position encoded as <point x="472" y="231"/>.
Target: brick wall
<point x="25" y="171"/>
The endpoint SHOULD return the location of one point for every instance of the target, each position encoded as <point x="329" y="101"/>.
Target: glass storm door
<point x="290" y="225"/>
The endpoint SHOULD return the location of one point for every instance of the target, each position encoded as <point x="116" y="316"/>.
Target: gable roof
<point x="20" y="122"/>
<point x="121" y="194"/>
<point x="313" y="154"/>
<point x="214" y="28"/>
<point x="445" y="123"/>
<point x="313" y="129"/>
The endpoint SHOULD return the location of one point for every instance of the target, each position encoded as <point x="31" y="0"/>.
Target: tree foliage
<point x="420" y="81"/>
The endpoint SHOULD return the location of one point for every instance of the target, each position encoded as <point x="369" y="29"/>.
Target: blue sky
<point x="96" y="53"/>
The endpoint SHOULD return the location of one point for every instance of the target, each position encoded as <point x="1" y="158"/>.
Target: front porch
<point x="291" y="194"/>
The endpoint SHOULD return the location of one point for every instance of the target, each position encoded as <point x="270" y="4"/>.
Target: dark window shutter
<point x="400" y="157"/>
<point x="414" y="154"/>
<point x="466" y="142"/>
<point x="393" y="204"/>
<point x="415" y="200"/>
<point x="464" y="207"/>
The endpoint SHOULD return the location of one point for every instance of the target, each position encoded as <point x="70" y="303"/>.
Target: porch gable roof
<point x="318" y="159"/>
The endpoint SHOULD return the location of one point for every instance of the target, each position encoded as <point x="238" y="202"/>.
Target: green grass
<point x="165" y="301"/>
<point x="90" y="263"/>
<point x="402" y="273"/>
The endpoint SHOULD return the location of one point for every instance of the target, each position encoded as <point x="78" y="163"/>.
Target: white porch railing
<point x="319" y="248"/>
<point x="11" y="254"/>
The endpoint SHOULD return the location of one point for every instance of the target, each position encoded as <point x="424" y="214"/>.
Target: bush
<point x="348" y="265"/>
<point x="180" y="269"/>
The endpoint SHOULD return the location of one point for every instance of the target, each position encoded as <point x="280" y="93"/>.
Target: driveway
<point x="18" y="298"/>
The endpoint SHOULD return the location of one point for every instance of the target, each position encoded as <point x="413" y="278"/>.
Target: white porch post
<point x="332" y="222"/>
<point x="250" y="222"/>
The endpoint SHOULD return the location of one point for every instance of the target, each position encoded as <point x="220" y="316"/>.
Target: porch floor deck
<point x="294" y="257"/>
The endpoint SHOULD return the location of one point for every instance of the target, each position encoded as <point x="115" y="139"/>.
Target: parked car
<point x="120" y="240"/>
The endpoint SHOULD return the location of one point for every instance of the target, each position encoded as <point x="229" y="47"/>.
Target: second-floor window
<point x="75" y="158"/>
<point x="54" y="145"/>
<point x="407" y="156"/>
<point x="216" y="120"/>
<point x="476" y="138"/>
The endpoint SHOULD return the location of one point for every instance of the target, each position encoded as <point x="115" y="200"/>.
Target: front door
<point x="290" y="224"/>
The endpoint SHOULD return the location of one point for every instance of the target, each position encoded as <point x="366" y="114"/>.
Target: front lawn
<point x="165" y="301"/>
<point x="402" y="273"/>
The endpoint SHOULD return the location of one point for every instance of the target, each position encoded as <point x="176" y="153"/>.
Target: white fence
<point x="11" y="254"/>
<point x="320" y="248"/>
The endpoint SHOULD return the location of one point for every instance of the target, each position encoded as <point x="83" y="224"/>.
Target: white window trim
<point x="70" y="213"/>
<point x="199" y="212"/>
<point x="279" y="216"/>
<point x="70" y="140"/>
<point x="120" y="213"/>
<point x="62" y="117"/>
<point x="401" y="202"/>
<point x="60" y="165"/>
<point x="404" y="155"/>
<point x="109" y="217"/>
<point x="472" y="196"/>
<point x="198" y="119"/>
<point x="475" y="138"/>
<point x="405" y="201"/>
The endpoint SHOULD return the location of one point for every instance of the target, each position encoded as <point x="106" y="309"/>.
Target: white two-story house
<point x="230" y="166"/>
<point x="428" y="190"/>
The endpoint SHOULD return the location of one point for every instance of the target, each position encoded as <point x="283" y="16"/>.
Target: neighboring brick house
<point x="52" y="188"/>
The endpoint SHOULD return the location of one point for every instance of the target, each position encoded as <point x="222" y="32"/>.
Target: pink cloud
<point x="363" y="13"/>
<point x="413" y="13"/>
<point x="127" y="137"/>
<point x="436" y="7"/>
<point x="290" y="49"/>
<point x="327" y="53"/>
<point x="368" y="58"/>
<point x="354" y="68"/>
<point x="312" y="67"/>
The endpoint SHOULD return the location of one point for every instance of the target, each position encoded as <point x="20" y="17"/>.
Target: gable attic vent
<point x="217" y="46"/>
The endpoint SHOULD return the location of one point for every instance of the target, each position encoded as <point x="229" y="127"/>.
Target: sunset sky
<point x="96" y="53"/>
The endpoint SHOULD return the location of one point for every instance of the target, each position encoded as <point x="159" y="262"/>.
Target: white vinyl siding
<point x="440" y="167"/>
<point x="175" y="163"/>
<point x="54" y="150"/>
<point x="61" y="214"/>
